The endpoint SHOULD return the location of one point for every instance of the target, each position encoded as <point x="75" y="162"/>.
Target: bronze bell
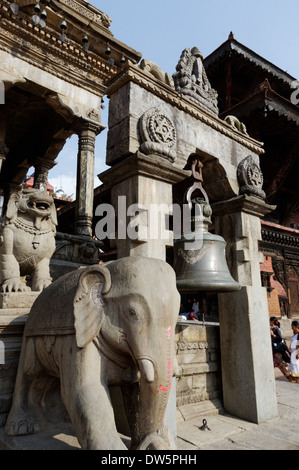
<point x="204" y="268"/>
<point x="200" y="264"/>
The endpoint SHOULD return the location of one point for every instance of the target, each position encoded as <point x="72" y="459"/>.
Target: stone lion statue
<point x="27" y="237"/>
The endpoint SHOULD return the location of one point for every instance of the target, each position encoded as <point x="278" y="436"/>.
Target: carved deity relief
<point x="250" y="178"/>
<point x="158" y="134"/>
<point x="191" y="79"/>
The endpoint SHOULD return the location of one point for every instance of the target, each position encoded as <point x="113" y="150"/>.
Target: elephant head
<point x="126" y="310"/>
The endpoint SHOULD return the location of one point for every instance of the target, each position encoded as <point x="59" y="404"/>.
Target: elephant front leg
<point x="86" y="398"/>
<point x="26" y="416"/>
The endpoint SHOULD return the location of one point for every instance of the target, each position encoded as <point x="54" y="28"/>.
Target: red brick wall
<point x="278" y="290"/>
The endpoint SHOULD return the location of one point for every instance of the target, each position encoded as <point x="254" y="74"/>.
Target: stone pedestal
<point x="246" y="354"/>
<point x="199" y="370"/>
<point x="14" y="309"/>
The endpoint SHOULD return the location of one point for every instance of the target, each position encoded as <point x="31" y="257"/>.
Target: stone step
<point x="203" y="408"/>
<point x="18" y="300"/>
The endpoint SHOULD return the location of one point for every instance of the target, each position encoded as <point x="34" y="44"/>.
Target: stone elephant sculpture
<point x="109" y="324"/>
<point x="27" y="240"/>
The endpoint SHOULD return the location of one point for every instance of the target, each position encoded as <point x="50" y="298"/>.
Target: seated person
<point x="193" y="316"/>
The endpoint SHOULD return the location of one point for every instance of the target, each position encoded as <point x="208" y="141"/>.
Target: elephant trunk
<point x="146" y="401"/>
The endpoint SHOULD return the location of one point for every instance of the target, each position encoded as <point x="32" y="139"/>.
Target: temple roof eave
<point x="266" y="99"/>
<point x="231" y="45"/>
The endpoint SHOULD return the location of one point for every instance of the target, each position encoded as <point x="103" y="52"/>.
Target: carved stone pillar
<point x="141" y="193"/>
<point x="42" y="167"/>
<point x="246" y="353"/>
<point x="87" y="133"/>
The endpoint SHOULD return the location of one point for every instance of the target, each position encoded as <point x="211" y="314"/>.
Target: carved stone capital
<point x="248" y="204"/>
<point x="145" y="165"/>
<point x="85" y="126"/>
<point x="42" y="166"/>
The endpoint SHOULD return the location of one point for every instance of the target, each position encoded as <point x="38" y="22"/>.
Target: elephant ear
<point x="94" y="282"/>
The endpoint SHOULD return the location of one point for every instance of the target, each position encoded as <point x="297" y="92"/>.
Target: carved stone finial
<point x="250" y="178"/>
<point x="191" y="80"/>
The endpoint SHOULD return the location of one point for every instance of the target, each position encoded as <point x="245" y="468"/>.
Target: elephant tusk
<point x="147" y="370"/>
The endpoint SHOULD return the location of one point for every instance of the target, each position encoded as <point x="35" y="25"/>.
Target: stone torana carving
<point x="250" y="178"/>
<point x="191" y="79"/>
<point x="94" y="327"/>
<point x="27" y="240"/>
<point x="158" y="134"/>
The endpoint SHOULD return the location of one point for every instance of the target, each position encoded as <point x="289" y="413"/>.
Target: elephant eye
<point x="133" y="315"/>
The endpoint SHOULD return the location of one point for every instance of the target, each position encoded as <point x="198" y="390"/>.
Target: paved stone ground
<point x="226" y="432"/>
<point x="229" y="433"/>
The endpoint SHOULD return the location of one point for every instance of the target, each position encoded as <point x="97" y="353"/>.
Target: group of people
<point x="285" y="357"/>
<point x="190" y="310"/>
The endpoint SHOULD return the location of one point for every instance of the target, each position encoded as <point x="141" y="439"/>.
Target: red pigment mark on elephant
<point x="165" y="389"/>
<point x="161" y="388"/>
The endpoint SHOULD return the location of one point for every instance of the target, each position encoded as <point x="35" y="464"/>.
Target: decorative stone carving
<point x="191" y="79"/>
<point x="250" y="178"/>
<point x="157" y="72"/>
<point x="158" y="134"/>
<point x="89" y="11"/>
<point x="96" y="327"/>
<point x="236" y="124"/>
<point x="27" y="240"/>
<point x="76" y="248"/>
<point x="278" y="264"/>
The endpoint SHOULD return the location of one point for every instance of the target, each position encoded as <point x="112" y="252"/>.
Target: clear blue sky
<point x="161" y="29"/>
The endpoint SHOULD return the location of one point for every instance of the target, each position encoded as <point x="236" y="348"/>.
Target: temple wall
<point x="198" y="376"/>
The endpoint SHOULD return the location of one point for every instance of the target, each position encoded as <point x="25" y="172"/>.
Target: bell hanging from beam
<point x="199" y="256"/>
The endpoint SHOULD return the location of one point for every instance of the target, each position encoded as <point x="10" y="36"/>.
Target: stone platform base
<point x="60" y="437"/>
<point x="52" y="439"/>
